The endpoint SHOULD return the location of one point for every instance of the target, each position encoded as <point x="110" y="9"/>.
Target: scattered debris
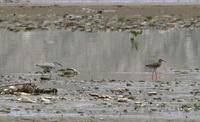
<point x="45" y="100"/>
<point x="43" y="78"/>
<point x="99" y="96"/>
<point x="25" y="88"/>
<point x="152" y="93"/>
<point x="123" y="100"/>
<point x="5" y="110"/>
<point x="25" y="99"/>
<point x="195" y="91"/>
<point x="98" y="22"/>
<point x="139" y="104"/>
<point x="186" y="108"/>
<point x="119" y="90"/>
<point x="141" y="81"/>
<point x="128" y="84"/>
<point x="196" y="106"/>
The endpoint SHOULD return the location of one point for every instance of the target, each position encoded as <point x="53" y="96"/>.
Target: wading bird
<point x="48" y="67"/>
<point x="154" y="66"/>
<point x="67" y="72"/>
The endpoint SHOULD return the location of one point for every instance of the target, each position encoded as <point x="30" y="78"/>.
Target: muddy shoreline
<point x="95" y="18"/>
<point x="104" y="100"/>
<point x="60" y="118"/>
<point x="172" y="99"/>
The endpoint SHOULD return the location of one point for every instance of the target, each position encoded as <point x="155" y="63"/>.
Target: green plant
<point x="134" y="35"/>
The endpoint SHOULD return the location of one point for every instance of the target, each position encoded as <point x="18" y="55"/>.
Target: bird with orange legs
<point x="155" y="66"/>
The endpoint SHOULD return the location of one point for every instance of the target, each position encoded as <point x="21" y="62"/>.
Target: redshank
<point x="154" y="66"/>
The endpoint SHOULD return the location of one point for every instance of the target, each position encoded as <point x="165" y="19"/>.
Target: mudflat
<point x="103" y="100"/>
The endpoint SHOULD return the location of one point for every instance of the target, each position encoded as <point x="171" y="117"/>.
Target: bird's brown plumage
<point x="154" y="66"/>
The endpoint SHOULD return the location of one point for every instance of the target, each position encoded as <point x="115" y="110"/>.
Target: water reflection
<point x="94" y="53"/>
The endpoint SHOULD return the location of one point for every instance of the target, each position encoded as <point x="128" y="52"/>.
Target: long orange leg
<point x="152" y="75"/>
<point x="154" y="71"/>
<point x="156" y="75"/>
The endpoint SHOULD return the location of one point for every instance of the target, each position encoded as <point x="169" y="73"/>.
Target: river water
<point x="99" y="52"/>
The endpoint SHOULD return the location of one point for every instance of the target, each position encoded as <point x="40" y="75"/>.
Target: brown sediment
<point x="31" y="11"/>
<point x="92" y="18"/>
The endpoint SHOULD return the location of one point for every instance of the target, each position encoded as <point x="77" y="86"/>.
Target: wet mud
<point x="64" y="97"/>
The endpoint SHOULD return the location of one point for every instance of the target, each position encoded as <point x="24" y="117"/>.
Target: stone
<point x="123" y="100"/>
<point x="152" y="93"/>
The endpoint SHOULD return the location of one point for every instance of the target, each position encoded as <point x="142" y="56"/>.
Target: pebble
<point x="5" y="110"/>
<point x="45" y="100"/>
<point x="123" y="100"/>
<point x="152" y="93"/>
<point x="26" y="100"/>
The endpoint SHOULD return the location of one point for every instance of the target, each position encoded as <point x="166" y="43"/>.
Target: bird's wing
<point x="154" y="65"/>
<point x="46" y="65"/>
<point x="59" y="64"/>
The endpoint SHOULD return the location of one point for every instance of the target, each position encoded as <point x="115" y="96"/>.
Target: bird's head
<point x="57" y="64"/>
<point x="161" y="60"/>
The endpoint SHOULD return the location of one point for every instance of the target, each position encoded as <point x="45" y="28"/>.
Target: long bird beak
<point x="164" y="61"/>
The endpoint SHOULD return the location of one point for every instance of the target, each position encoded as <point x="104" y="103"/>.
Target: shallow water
<point x="99" y="54"/>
